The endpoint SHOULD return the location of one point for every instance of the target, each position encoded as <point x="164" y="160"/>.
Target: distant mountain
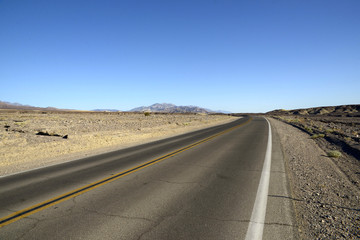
<point x="8" y="105"/>
<point x="171" y="108"/>
<point x="342" y="110"/>
<point x="157" y="107"/>
<point x="106" y="110"/>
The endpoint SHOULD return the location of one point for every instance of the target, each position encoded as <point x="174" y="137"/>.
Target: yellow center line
<point x="61" y="198"/>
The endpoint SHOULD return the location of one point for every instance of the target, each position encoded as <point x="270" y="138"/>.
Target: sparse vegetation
<point x="20" y="123"/>
<point x="342" y="131"/>
<point x="146" y="114"/>
<point x="329" y="130"/>
<point x="314" y="136"/>
<point x="308" y="129"/>
<point x="334" y="154"/>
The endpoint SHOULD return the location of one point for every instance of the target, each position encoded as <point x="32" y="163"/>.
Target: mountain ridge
<point x="351" y="110"/>
<point x="157" y="107"/>
<point x="172" y="108"/>
<point x="9" y="105"/>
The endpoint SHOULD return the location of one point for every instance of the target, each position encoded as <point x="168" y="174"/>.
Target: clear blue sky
<point x="241" y="56"/>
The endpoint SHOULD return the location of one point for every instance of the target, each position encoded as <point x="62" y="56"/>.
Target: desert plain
<point x="31" y="139"/>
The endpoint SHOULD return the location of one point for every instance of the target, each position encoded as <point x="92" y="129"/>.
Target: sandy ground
<point x="31" y="140"/>
<point x="327" y="202"/>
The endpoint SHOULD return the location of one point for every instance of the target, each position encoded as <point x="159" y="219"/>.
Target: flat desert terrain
<point x="32" y="139"/>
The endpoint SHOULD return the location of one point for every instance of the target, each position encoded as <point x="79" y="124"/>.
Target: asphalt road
<point x="200" y="185"/>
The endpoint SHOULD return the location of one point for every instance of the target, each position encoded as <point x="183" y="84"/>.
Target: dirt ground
<point x="325" y="191"/>
<point x="346" y="129"/>
<point x="32" y="139"/>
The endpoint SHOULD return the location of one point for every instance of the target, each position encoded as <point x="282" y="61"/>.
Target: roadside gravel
<point x="326" y="203"/>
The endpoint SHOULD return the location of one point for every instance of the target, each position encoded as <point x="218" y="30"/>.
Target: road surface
<point x="208" y="184"/>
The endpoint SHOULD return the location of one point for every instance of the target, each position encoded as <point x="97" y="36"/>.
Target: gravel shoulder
<point x="30" y="139"/>
<point x="326" y="201"/>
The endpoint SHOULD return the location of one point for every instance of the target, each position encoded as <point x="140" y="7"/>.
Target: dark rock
<point x="48" y="134"/>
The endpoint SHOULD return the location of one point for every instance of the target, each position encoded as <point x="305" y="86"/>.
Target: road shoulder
<point x="326" y="202"/>
<point x="280" y="222"/>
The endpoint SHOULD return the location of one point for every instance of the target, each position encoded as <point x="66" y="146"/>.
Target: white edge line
<point x="257" y="220"/>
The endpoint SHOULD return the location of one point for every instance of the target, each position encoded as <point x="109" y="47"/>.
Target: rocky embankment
<point x="330" y="111"/>
<point x="334" y="134"/>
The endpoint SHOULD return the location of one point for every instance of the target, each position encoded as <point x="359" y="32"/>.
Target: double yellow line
<point x="48" y="203"/>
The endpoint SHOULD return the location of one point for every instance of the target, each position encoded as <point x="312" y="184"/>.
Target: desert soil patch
<point x="34" y="139"/>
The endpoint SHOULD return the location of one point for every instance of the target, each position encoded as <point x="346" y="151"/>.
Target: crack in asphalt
<point x="160" y="221"/>
<point x="239" y="220"/>
<point x="9" y="210"/>
<point x="217" y="219"/>
<point x="179" y="183"/>
<point x="34" y="225"/>
<point x="280" y="224"/>
<point x="117" y="216"/>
